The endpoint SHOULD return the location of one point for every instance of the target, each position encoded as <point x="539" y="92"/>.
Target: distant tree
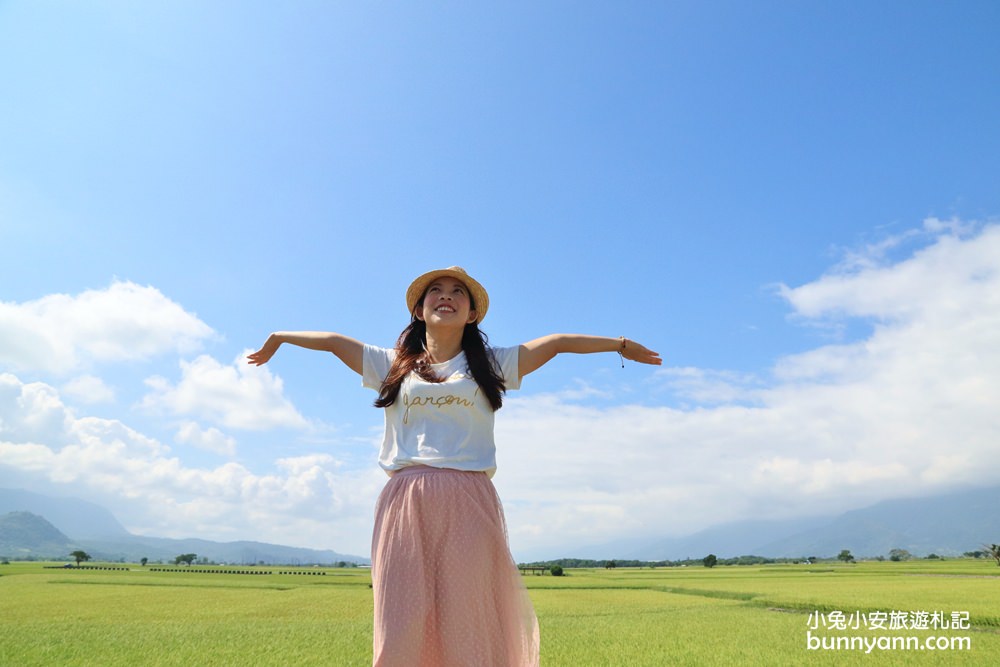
<point x="710" y="560"/>
<point x="610" y="565"/>
<point x="185" y="558"/>
<point x="994" y="551"/>
<point x="975" y="554"/>
<point x="845" y="555"/>
<point x="80" y="556"/>
<point x="556" y="571"/>
<point x="144" y="561"/>
<point x="897" y="555"/>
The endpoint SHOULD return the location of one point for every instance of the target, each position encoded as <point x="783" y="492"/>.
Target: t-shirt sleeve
<point x="376" y="362"/>
<point x="507" y="360"/>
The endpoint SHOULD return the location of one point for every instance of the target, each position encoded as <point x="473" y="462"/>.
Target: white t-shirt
<point x="443" y="425"/>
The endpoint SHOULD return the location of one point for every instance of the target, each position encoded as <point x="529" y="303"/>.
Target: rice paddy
<point x="756" y="615"/>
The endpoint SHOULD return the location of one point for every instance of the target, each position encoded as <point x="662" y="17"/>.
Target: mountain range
<point x="44" y="527"/>
<point x="946" y="525"/>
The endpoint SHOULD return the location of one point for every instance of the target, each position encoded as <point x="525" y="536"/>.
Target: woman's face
<point x="446" y="301"/>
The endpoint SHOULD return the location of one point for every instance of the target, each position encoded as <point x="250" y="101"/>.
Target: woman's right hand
<point x="348" y="350"/>
<point x="264" y="354"/>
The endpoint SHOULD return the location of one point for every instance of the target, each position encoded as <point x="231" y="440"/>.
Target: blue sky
<point x="795" y="203"/>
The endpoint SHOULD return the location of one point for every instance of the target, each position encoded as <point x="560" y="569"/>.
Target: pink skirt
<point x="447" y="591"/>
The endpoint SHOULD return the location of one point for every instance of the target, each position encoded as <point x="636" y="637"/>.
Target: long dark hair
<point x="411" y="356"/>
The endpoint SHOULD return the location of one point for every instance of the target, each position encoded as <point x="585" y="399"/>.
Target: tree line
<point x="687" y="562"/>
<point x="186" y="559"/>
<point x="711" y="560"/>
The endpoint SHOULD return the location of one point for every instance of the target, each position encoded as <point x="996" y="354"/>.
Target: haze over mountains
<point x="33" y="525"/>
<point x="946" y="525"/>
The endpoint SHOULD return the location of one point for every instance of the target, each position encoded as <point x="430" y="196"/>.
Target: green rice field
<point x="746" y="615"/>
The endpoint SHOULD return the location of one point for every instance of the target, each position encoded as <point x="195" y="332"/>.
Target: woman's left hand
<point x="633" y="351"/>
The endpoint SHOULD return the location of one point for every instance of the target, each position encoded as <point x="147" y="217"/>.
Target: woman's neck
<point x="443" y="345"/>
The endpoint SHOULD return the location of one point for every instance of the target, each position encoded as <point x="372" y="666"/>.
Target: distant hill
<point x="244" y="552"/>
<point x="729" y="540"/>
<point x="95" y="530"/>
<point x="23" y="535"/>
<point x="947" y="525"/>
<point x="72" y="516"/>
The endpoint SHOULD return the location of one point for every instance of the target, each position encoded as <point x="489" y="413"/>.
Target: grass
<point x="130" y="618"/>
<point x="757" y="615"/>
<point x="623" y="617"/>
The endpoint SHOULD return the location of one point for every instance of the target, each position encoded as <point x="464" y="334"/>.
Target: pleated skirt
<point x="447" y="591"/>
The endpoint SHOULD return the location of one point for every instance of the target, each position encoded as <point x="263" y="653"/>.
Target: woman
<point x="447" y="591"/>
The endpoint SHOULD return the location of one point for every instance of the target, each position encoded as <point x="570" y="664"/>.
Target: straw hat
<point x="476" y="291"/>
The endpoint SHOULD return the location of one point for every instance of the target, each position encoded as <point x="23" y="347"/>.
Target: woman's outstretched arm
<point x="535" y="354"/>
<point x="348" y="350"/>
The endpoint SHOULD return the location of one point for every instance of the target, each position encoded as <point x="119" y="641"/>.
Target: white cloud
<point x="210" y="439"/>
<point x="30" y="411"/>
<point x="237" y="396"/>
<point x="60" y="333"/>
<point x="945" y="278"/>
<point x="309" y="500"/>
<point x="707" y="386"/>
<point x="89" y="389"/>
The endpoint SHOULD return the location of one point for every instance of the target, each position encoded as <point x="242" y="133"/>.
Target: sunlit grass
<point x="683" y="616"/>
<point x="84" y="618"/>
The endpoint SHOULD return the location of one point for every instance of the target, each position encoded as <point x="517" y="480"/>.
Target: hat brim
<point x="418" y="287"/>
